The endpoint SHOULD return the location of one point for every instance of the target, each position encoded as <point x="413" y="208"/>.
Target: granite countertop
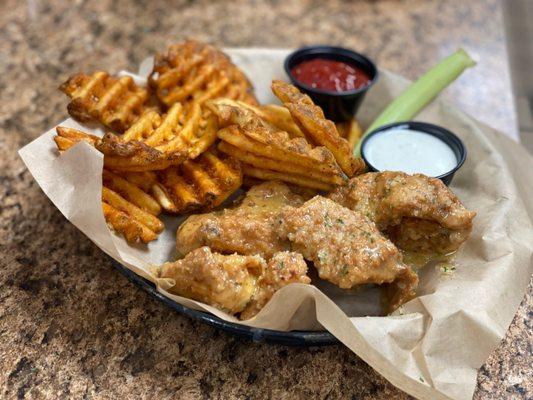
<point x="71" y="325"/>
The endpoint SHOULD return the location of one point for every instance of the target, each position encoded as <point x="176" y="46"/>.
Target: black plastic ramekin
<point x="445" y="135"/>
<point x="337" y="106"/>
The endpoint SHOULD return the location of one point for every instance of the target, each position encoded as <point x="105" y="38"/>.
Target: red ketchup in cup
<point x="331" y="75"/>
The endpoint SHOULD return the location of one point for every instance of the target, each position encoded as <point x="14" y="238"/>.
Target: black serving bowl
<point x="337" y="106"/>
<point x="445" y="135"/>
<point x="292" y="338"/>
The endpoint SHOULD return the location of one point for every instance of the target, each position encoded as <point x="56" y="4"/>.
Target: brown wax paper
<point x="431" y="347"/>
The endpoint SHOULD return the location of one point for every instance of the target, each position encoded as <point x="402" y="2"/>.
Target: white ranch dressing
<point x="410" y="151"/>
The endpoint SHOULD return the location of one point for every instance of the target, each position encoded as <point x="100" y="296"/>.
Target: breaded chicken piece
<point x="282" y="269"/>
<point x="346" y="247"/>
<point x="233" y="283"/>
<point x="227" y="282"/>
<point x="417" y="212"/>
<point x="248" y="228"/>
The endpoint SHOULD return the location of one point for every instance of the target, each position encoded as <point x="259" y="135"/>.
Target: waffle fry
<point x="148" y="182"/>
<point x="281" y="118"/>
<point x="114" y="102"/>
<point x="193" y="71"/>
<point x="68" y="137"/>
<point x="128" y="207"/>
<point x="154" y="141"/>
<point x="274" y="165"/>
<point x="119" y="155"/>
<point x="135" y="188"/>
<point x="231" y="112"/>
<point x="311" y="120"/>
<point x="135" y="224"/>
<point x="200" y="184"/>
<point x="254" y="141"/>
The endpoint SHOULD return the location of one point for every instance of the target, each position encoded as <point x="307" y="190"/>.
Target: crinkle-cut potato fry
<point x="68" y="137"/>
<point x="120" y="222"/>
<point x="278" y="146"/>
<point x="135" y="155"/>
<point x="311" y="120"/>
<point x="114" y="102"/>
<point x="132" y="190"/>
<point x="145" y="218"/>
<point x="232" y="112"/>
<point x="144" y="180"/>
<point x="155" y="142"/>
<point x="247" y="130"/>
<point x="200" y="184"/>
<point x="299" y="180"/>
<point x="128" y="207"/>
<point x="194" y="71"/>
<point x="268" y="163"/>
<point x="351" y="131"/>
<point x="281" y="118"/>
<point x="120" y="155"/>
<point x="149" y="181"/>
<point x="238" y="112"/>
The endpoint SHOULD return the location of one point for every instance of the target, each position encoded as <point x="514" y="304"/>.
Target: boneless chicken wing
<point x="416" y="212"/>
<point x="283" y="268"/>
<point x="347" y="248"/>
<point x="227" y="282"/>
<point x="249" y="228"/>
<point x="233" y="283"/>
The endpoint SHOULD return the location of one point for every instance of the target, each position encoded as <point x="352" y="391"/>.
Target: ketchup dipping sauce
<point x="325" y="74"/>
<point x="335" y="78"/>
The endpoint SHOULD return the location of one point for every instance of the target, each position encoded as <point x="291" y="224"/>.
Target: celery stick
<point x="422" y="92"/>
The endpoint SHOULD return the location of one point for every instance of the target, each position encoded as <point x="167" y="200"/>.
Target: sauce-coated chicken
<point x="418" y="213"/>
<point x="249" y="228"/>
<point x="347" y="248"/>
<point x="233" y="283"/>
<point x="283" y="268"/>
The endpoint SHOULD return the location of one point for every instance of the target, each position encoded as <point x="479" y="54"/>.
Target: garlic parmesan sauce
<point x="409" y="151"/>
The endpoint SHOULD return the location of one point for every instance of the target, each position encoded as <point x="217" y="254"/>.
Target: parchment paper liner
<point x="433" y="346"/>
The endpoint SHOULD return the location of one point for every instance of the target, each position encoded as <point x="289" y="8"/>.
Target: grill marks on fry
<point x="196" y="72"/>
<point x="114" y="102"/>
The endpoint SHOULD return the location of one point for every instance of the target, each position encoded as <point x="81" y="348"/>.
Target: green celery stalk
<point x="422" y="92"/>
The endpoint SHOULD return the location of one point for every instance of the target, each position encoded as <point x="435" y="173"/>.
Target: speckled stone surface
<point x="71" y="326"/>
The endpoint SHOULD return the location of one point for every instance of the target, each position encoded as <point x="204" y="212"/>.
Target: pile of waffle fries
<point x="183" y="143"/>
